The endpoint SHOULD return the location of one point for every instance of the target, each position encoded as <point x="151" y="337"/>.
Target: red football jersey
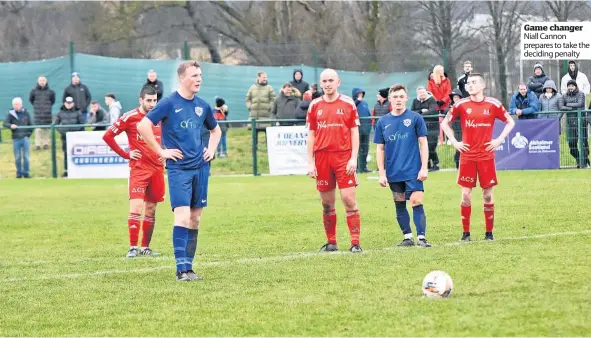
<point x="477" y="120"/>
<point x="128" y="124"/>
<point x="332" y="123"/>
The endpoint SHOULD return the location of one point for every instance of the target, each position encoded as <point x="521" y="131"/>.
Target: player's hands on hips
<point x="461" y="146"/>
<point x="135" y="154"/>
<point x="171" y="154"/>
<point x="312" y="171"/>
<point x="208" y="154"/>
<point x="423" y="173"/>
<point x="351" y="166"/>
<point x="494" y="144"/>
<point x="383" y="180"/>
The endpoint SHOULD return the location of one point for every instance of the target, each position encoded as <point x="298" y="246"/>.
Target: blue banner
<point x="532" y="144"/>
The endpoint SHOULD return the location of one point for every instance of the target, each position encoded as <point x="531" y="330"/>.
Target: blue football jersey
<point x="182" y="121"/>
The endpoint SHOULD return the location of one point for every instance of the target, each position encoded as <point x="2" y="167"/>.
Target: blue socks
<point x="403" y="217"/>
<point x="418" y="215"/>
<point x="179" y="243"/>
<point x="191" y="248"/>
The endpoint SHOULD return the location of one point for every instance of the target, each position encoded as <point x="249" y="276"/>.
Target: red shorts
<point x="485" y="170"/>
<point x="332" y="170"/>
<point x="147" y="185"/>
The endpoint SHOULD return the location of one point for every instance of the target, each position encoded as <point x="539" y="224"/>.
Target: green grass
<point x="62" y="270"/>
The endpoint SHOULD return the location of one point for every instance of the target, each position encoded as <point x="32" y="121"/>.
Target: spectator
<point x="68" y="115"/>
<point x="19" y="117"/>
<point x="382" y="107"/>
<point x="574" y="100"/>
<point x="440" y="87"/>
<point x="220" y="113"/>
<point x="298" y="81"/>
<point x="285" y="105"/>
<point x="550" y="101"/>
<point x="464" y="78"/>
<point x="42" y="98"/>
<point x="364" y="129"/>
<point x="155" y="83"/>
<point x="315" y="92"/>
<point x="259" y="101"/>
<point x="114" y="107"/>
<point x="80" y="93"/>
<point x="576" y="75"/>
<point x="537" y="82"/>
<point x="425" y="105"/>
<point x="457" y="126"/>
<point x="97" y="116"/>
<point x="524" y="103"/>
<point x="302" y="110"/>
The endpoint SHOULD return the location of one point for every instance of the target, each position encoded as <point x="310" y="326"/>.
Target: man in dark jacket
<point x="301" y="111"/>
<point x="364" y="129"/>
<point x="524" y="103"/>
<point x="96" y="115"/>
<point x="80" y="93"/>
<point x="68" y="115"/>
<point x="42" y="98"/>
<point x="298" y="81"/>
<point x="536" y="82"/>
<point x="19" y="117"/>
<point x="285" y="105"/>
<point x="426" y="105"/>
<point x="382" y="107"/>
<point x="155" y="83"/>
<point x="574" y="100"/>
<point x="462" y="80"/>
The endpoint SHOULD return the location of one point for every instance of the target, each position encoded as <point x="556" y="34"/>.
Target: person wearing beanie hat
<point x="80" y="93"/>
<point x="575" y="74"/>
<point x="382" y="107"/>
<point x="535" y="83"/>
<point x="574" y="100"/>
<point x="220" y="113"/>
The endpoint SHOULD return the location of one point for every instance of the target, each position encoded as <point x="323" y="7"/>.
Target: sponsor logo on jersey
<point x="324" y="125"/>
<point x="473" y="124"/>
<point x="188" y="124"/>
<point x="467" y="179"/>
<point x="398" y="136"/>
<point x="406" y="122"/>
<point x="139" y="190"/>
<point x="321" y="182"/>
<point x="178" y="110"/>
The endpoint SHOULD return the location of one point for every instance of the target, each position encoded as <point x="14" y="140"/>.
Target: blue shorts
<point x="188" y="187"/>
<point x="406" y="187"/>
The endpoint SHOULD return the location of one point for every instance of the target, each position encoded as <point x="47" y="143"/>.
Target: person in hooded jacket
<point x="576" y="75"/>
<point x="536" y="82"/>
<point x="574" y="100"/>
<point x="364" y="129"/>
<point x="550" y="101"/>
<point x="298" y="81"/>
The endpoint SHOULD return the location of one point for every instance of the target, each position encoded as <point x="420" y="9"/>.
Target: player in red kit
<point x="146" y="177"/>
<point x="477" y="116"/>
<point x="333" y="145"/>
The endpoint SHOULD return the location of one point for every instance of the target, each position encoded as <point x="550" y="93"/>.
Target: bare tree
<point x="503" y="33"/>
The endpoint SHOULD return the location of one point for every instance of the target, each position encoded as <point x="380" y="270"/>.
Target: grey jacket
<point x="573" y="101"/>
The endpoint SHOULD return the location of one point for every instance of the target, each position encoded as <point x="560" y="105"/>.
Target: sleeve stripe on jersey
<point x="464" y="100"/>
<point x="128" y="115"/>
<point x="348" y="100"/>
<point x="494" y="101"/>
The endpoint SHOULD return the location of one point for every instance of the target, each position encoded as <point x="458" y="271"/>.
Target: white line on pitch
<point x="273" y="258"/>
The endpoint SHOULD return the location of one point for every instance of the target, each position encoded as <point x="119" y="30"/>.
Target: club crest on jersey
<point x="199" y="111"/>
<point x="469" y="111"/>
<point x="340" y="112"/>
<point x="406" y="122"/>
<point x="319" y="112"/>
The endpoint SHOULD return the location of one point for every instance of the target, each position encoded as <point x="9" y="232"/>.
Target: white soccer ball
<point x="437" y="284"/>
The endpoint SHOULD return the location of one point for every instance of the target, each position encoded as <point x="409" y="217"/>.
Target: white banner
<point x="287" y="150"/>
<point x="90" y="157"/>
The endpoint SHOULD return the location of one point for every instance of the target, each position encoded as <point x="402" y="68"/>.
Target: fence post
<point x="186" y="52"/>
<point x="253" y="127"/>
<point x="71" y="57"/>
<point x="53" y="154"/>
<point x="580" y="139"/>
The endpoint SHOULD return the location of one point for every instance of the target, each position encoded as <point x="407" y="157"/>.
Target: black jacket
<point x="158" y="87"/>
<point x="301" y="111"/>
<point x="300" y="85"/>
<point x="80" y="94"/>
<point x="68" y="117"/>
<point x="462" y="84"/>
<point x="430" y="104"/>
<point x="42" y="99"/>
<point x="21" y="119"/>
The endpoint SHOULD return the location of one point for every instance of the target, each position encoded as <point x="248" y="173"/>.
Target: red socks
<point x="330" y="226"/>
<point x="466" y="212"/>
<point x="133" y="224"/>
<point x="147" y="229"/>
<point x="354" y="224"/>
<point x="489" y="216"/>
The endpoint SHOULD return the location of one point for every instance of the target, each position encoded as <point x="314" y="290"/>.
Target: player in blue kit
<point x="182" y="116"/>
<point x="402" y="156"/>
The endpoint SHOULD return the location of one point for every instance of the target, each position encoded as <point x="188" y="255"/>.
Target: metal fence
<point x="247" y="146"/>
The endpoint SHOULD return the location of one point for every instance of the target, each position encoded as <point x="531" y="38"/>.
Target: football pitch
<point x="63" y="271"/>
